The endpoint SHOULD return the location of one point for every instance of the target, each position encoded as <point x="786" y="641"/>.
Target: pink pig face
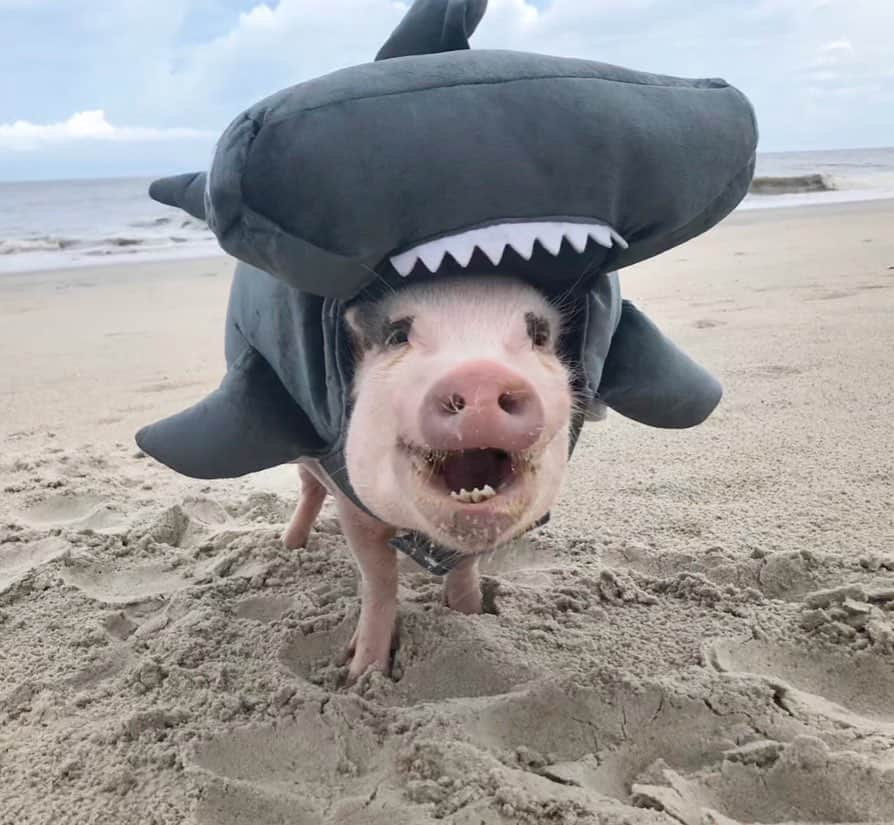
<point x="460" y="423"/>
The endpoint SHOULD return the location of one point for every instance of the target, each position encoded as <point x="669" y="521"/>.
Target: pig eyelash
<point x="397" y="333"/>
<point x="493" y="241"/>
<point x="538" y="330"/>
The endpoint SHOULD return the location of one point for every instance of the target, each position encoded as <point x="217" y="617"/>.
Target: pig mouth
<point x="471" y="476"/>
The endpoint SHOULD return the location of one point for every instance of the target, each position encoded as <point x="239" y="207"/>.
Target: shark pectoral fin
<point x="186" y="192"/>
<point x="248" y="424"/>
<point x="647" y="378"/>
<point x="433" y="26"/>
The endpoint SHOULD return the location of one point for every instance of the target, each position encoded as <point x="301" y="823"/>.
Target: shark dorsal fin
<point x="433" y="26"/>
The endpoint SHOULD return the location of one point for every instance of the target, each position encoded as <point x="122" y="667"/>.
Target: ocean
<point x="833" y="176"/>
<point x="56" y="224"/>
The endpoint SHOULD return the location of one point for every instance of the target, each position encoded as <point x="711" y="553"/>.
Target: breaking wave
<point x="18" y="246"/>
<point x="49" y="243"/>
<point x="792" y="185"/>
<point x="51" y="252"/>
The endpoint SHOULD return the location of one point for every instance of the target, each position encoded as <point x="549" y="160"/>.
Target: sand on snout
<point x="704" y="633"/>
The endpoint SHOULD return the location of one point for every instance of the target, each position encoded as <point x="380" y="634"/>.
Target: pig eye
<point x="397" y="333"/>
<point x="538" y="330"/>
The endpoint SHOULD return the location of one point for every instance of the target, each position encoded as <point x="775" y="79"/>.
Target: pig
<point x="463" y="411"/>
<point x="459" y="430"/>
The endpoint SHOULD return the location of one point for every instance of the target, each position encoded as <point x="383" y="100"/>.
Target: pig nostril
<point x="453" y="404"/>
<point x="511" y="403"/>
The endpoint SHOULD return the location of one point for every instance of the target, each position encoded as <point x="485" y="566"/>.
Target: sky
<point x="95" y="88"/>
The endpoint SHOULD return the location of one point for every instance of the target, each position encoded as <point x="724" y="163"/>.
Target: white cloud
<point x="267" y="47"/>
<point x="818" y="71"/>
<point x="86" y="126"/>
<point x="839" y="46"/>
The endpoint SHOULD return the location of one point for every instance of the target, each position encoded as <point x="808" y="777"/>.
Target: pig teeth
<point x="493" y="241"/>
<point x="474" y="496"/>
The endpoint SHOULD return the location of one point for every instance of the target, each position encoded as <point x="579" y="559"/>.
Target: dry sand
<point x="704" y="633"/>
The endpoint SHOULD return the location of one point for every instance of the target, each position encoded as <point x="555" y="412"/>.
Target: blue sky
<point x="91" y="88"/>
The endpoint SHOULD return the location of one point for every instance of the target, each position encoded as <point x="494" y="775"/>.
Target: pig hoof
<point x="367" y="661"/>
<point x="295" y="539"/>
<point x="364" y="657"/>
<point x="467" y="603"/>
<point x="361" y="666"/>
<point x="462" y="593"/>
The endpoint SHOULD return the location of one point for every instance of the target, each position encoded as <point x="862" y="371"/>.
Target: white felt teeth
<point x="493" y="240"/>
<point x="521" y="239"/>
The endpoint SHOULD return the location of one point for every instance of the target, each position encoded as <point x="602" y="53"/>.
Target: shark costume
<point x="437" y="159"/>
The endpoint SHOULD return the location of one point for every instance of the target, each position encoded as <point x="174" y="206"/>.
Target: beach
<point x="703" y="633"/>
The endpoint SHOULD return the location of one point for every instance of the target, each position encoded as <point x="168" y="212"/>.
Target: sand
<point x="703" y="634"/>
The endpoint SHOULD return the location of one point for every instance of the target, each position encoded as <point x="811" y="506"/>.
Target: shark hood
<point x="439" y="159"/>
<point x="326" y="183"/>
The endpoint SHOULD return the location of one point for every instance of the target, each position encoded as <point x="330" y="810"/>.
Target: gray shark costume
<point x="437" y="159"/>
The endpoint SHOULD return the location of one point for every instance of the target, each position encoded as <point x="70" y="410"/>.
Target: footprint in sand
<point x="601" y="739"/>
<point x="446" y="656"/>
<point x="80" y="512"/>
<point x="854" y="690"/>
<point x="298" y="772"/>
<point x="439" y="656"/>
<point x="19" y="559"/>
<point x="312" y="654"/>
<point x="698" y="759"/>
<point x="122" y="585"/>
<point x="786" y="575"/>
<point x="263" y="609"/>
<point x="802" y="781"/>
<point x="769" y="782"/>
<point x="236" y="803"/>
<point x="187" y="524"/>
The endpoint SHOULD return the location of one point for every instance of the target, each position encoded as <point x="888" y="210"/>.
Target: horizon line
<point x="152" y="176"/>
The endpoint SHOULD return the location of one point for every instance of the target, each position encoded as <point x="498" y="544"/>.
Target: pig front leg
<point x="313" y="494"/>
<point x="368" y="539"/>
<point x="462" y="590"/>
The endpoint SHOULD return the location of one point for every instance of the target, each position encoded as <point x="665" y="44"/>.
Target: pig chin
<point x="476" y="500"/>
<point x="469" y="501"/>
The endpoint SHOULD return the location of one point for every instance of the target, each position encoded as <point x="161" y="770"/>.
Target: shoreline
<point x="112" y="262"/>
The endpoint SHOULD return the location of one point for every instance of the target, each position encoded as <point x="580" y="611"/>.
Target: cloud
<point x="87" y="126"/>
<point x="267" y="46"/>
<point x="818" y="71"/>
<point x="839" y="46"/>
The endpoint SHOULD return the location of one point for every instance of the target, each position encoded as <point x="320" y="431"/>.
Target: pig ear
<point x="647" y="378"/>
<point x="433" y="26"/>
<point x="357" y="326"/>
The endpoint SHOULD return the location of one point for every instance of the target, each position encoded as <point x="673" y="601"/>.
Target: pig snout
<point x="481" y="405"/>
